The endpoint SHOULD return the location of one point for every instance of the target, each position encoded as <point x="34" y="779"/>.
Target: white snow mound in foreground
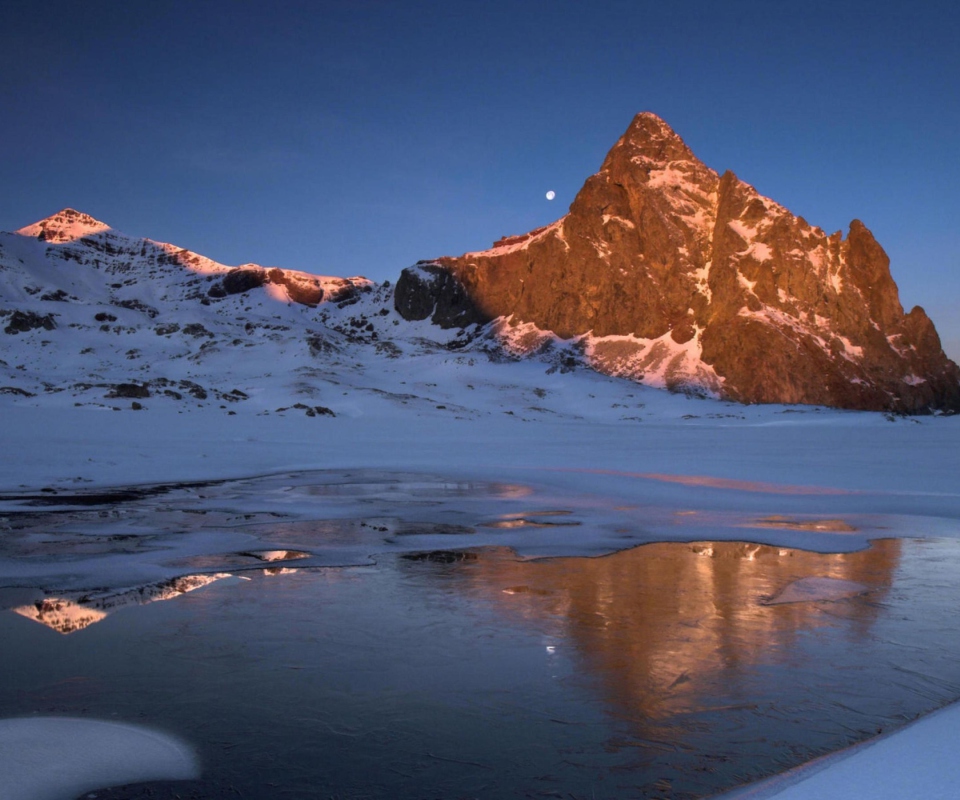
<point x="52" y="758"/>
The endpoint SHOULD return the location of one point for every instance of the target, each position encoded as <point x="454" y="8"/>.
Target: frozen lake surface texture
<point x="577" y="612"/>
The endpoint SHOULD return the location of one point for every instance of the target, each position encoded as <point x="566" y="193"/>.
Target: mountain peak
<point x="673" y="275"/>
<point x="651" y="125"/>
<point x="67" y="225"/>
<point x="648" y="141"/>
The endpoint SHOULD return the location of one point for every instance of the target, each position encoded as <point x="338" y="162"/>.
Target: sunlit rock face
<point x="677" y="276"/>
<point x="67" y="225"/>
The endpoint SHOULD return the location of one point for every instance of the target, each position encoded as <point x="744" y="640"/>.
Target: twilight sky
<point x="356" y="137"/>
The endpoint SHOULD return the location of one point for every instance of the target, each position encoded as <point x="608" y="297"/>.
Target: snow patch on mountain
<point x="661" y="363"/>
<point x="511" y="244"/>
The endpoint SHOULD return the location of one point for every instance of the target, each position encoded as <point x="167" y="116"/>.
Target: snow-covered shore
<point x="917" y="762"/>
<point x="914" y="457"/>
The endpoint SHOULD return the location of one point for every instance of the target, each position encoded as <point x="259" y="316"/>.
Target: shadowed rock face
<point x="299" y="287"/>
<point x="681" y="277"/>
<point x="427" y="290"/>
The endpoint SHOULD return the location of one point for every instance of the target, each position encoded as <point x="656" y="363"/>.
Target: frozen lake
<point x="366" y="633"/>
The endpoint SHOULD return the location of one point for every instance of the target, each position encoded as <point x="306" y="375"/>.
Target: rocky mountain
<point x="663" y="272"/>
<point x="668" y="273"/>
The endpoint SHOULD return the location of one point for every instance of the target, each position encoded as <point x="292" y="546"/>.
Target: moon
<point x="551" y="194"/>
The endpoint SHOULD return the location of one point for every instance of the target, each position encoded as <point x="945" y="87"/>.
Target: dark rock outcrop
<point x="195" y="329"/>
<point x="24" y="321"/>
<point x="300" y="287"/>
<point x="683" y="278"/>
<point x="129" y="390"/>
<point x="241" y="280"/>
<point x="429" y="290"/>
<point x="137" y="305"/>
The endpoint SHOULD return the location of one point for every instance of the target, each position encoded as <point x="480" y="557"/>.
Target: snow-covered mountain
<point x="92" y="317"/>
<point x="672" y="274"/>
<point x="663" y="273"/>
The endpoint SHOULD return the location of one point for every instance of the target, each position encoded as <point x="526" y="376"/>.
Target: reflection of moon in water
<point x="551" y="194"/>
<point x="47" y="758"/>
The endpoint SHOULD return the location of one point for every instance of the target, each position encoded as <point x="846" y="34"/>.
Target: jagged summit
<point x="67" y="225"/>
<point x="672" y="274"/>
<point x="649" y="137"/>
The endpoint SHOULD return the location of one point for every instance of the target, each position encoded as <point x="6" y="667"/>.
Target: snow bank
<point x="52" y="758"/>
<point x="918" y="761"/>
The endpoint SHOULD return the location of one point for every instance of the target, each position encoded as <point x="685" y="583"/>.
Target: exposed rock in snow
<point x="23" y="321"/>
<point x="427" y="290"/>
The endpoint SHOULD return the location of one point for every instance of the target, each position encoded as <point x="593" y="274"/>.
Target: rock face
<point x="676" y="276"/>
<point x="299" y="287"/>
<point x="427" y="290"/>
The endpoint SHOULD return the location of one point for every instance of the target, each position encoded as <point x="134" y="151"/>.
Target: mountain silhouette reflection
<point x="673" y="630"/>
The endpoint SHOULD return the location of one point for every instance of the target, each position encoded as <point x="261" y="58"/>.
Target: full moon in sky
<point x="551" y="194"/>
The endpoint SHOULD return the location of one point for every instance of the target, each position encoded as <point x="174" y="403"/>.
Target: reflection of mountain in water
<point x="671" y="628"/>
<point x="68" y="615"/>
<point x="64" y="616"/>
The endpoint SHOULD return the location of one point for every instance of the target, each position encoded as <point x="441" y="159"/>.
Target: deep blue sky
<point x="356" y="137"/>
